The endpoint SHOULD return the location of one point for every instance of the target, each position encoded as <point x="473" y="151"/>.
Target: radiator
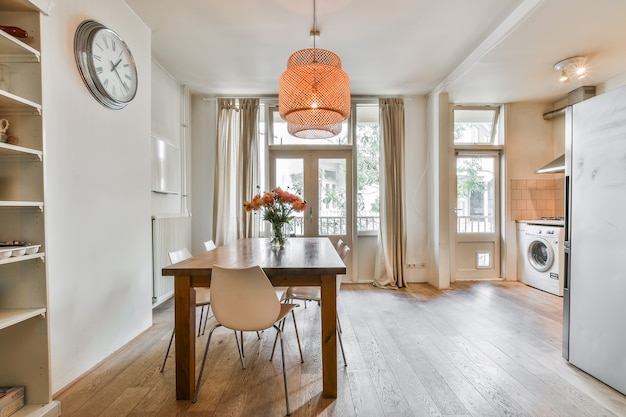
<point x="169" y="233"/>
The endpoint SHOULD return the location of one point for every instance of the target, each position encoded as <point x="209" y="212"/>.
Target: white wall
<point x="97" y="179"/>
<point x="203" y="131"/>
<point x="416" y="165"/>
<point x="439" y="195"/>
<point x="166" y="126"/>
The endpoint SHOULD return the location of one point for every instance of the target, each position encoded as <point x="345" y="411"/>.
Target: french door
<point x="477" y="215"/>
<point x="324" y="179"/>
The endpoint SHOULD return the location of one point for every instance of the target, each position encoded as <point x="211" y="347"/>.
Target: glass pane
<point x="368" y="166"/>
<point x="474" y="126"/>
<point x="282" y="137"/>
<point x="475" y="207"/>
<point x="290" y="177"/>
<point x="332" y="197"/>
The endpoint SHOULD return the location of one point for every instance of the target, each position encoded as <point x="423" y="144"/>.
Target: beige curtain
<point x="390" y="260"/>
<point x="226" y="168"/>
<point x="249" y="164"/>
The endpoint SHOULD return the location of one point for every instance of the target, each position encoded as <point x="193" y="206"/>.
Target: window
<point x="361" y="132"/>
<point x="476" y="125"/>
<point x="476" y="193"/>
<point x="368" y="167"/>
<point x="280" y="135"/>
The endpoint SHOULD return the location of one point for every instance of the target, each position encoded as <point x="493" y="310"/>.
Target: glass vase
<point x="279" y="233"/>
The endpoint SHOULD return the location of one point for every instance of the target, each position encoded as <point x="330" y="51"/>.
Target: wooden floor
<point x="480" y="349"/>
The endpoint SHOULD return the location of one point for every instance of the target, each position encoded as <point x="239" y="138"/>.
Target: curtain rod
<point x="237" y="97"/>
<point x="275" y="97"/>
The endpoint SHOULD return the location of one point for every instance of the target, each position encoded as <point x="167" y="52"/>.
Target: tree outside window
<point x="368" y="174"/>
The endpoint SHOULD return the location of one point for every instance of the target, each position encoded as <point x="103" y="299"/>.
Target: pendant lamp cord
<point x="314" y="24"/>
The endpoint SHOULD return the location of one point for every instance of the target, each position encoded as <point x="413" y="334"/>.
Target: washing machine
<point x="541" y="256"/>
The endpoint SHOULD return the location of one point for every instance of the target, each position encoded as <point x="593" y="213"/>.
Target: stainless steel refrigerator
<point x="594" y="338"/>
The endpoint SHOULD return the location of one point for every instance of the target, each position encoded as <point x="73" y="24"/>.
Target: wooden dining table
<point x="303" y="261"/>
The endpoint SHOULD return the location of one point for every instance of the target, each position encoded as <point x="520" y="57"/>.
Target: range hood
<point x="573" y="97"/>
<point x="558" y="165"/>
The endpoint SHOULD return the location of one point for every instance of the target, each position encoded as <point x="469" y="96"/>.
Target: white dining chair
<point x="244" y="300"/>
<point x="203" y="299"/>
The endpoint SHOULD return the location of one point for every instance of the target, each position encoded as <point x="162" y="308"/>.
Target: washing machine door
<point x="540" y="255"/>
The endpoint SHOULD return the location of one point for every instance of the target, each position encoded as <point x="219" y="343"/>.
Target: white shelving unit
<point x="24" y="343"/>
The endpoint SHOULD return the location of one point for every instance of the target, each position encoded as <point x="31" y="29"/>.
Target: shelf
<point x="24" y="323"/>
<point x="13" y="259"/>
<point x="9" y="101"/>
<point x="7" y="149"/>
<point x="43" y="6"/>
<point x="12" y="316"/>
<point x="53" y="408"/>
<point x="14" y="50"/>
<point x="18" y="204"/>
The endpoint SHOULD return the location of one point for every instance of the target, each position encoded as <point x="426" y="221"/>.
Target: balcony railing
<point x="335" y="225"/>
<point x="475" y="224"/>
<point x="367" y="223"/>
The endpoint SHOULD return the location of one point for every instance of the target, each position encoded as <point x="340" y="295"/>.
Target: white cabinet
<point x="24" y="344"/>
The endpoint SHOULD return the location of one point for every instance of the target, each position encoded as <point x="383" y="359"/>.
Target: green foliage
<point x="368" y="163"/>
<point x="469" y="180"/>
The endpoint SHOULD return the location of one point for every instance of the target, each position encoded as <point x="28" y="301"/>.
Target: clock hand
<point x="120" y="78"/>
<point x="116" y="64"/>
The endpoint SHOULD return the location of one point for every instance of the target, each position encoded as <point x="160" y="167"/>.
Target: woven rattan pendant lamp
<point x="314" y="92"/>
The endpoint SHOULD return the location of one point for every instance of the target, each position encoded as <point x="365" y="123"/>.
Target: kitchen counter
<point x="545" y="222"/>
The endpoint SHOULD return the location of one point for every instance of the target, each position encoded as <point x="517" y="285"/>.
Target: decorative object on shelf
<point x="314" y="92"/>
<point x="11" y="400"/>
<point x="4" y="125"/>
<point x="18" y="250"/>
<point x="11" y="140"/>
<point x="277" y="206"/>
<point x="106" y="64"/>
<point x="14" y="31"/>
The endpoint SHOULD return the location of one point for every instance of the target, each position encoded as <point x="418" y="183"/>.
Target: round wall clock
<point x="105" y="64"/>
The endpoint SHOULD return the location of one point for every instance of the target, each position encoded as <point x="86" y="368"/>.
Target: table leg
<point x="329" y="336"/>
<point x="185" y="321"/>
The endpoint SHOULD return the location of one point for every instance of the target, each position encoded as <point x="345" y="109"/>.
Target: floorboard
<point x="478" y="349"/>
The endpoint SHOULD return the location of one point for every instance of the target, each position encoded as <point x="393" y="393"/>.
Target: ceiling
<point x="479" y="51"/>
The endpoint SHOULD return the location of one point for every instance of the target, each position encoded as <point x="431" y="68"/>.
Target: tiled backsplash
<point x="533" y="199"/>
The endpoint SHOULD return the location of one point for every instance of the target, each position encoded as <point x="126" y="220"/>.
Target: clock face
<point x="106" y="64"/>
<point x="114" y="66"/>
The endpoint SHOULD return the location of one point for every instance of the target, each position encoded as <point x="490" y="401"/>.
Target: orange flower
<point x="268" y="198"/>
<point x="299" y="205"/>
<point x="277" y="205"/>
<point x="248" y="206"/>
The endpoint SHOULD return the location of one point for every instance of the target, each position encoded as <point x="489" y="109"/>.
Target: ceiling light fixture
<point x="572" y="68"/>
<point x="314" y="92"/>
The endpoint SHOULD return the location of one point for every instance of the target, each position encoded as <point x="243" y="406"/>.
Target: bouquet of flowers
<point x="277" y="207"/>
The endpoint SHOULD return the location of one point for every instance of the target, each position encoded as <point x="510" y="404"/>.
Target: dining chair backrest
<point x="209" y="245"/>
<point x="344" y="252"/>
<point x="339" y="245"/>
<point x="179" y="255"/>
<point x="243" y="298"/>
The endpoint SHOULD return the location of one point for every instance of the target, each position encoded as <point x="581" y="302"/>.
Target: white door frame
<point x="472" y="248"/>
